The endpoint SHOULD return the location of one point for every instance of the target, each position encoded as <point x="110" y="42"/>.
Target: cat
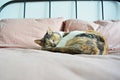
<point x="74" y="42"/>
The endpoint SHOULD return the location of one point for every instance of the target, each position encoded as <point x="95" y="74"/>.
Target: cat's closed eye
<point x="53" y="40"/>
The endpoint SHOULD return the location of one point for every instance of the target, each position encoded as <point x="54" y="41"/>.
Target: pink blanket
<point x="29" y="64"/>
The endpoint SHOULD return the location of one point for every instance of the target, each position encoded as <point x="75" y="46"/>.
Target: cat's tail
<point x="67" y="50"/>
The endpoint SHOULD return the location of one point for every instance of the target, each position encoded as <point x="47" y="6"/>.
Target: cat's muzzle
<point x="53" y="45"/>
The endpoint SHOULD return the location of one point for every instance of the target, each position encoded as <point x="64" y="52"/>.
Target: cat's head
<point x="50" y="39"/>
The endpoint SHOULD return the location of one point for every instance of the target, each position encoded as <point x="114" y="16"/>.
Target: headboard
<point x="76" y="9"/>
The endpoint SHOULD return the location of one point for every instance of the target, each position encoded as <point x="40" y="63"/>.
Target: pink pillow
<point x="75" y="24"/>
<point x="111" y="30"/>
<point x="23" y="32"/>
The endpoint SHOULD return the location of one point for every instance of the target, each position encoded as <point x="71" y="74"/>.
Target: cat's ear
<point x="49" y="31"/>
<point x="67" y="30"/>
<point x="39" y="42"/>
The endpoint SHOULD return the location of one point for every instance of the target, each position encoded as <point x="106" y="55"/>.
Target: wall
<point x="90" y="10"/>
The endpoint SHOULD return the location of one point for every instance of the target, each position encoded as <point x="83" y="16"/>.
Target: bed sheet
<point x="30" y="64"/>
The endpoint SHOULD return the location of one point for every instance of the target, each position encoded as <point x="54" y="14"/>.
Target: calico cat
<point x="74" y="42"/>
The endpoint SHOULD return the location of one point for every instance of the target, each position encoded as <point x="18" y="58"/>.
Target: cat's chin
<point x="46" y="47"/>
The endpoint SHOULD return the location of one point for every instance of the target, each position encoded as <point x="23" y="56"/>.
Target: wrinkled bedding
<point x="30" y="64"/>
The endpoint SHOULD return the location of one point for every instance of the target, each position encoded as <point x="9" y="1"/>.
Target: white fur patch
<point x="68" y="37"/>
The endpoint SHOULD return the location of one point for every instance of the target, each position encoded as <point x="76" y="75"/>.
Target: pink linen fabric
<point x="22" y="32"/>
<point x="111" y="30"/>
<point x="76" y="24"/>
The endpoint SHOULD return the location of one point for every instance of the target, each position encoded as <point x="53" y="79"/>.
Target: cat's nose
<point x="53" y="45"/>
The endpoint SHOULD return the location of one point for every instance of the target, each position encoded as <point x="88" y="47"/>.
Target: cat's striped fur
<point x="75" y="42"/>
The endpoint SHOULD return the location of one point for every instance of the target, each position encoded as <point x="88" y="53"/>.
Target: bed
<point x="22" y="59"/>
